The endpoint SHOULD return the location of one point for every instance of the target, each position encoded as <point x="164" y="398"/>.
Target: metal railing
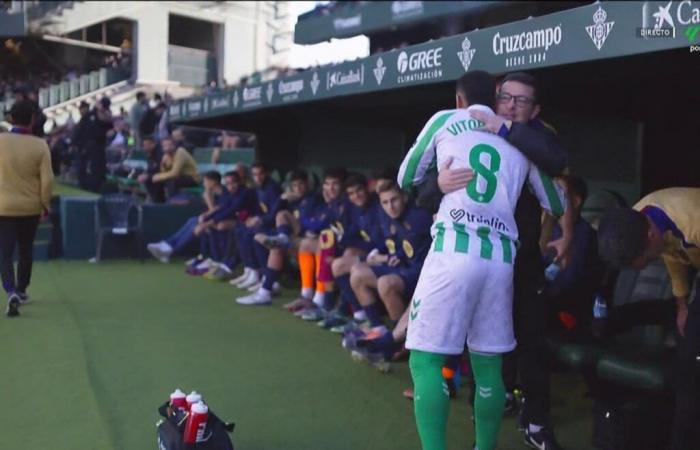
<point x="93" y="81"/>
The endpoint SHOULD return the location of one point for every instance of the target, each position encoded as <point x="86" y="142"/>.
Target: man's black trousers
<point x="19" y="233"/>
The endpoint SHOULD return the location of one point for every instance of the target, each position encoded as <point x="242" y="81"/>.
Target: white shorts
<point x="462" y="296"/>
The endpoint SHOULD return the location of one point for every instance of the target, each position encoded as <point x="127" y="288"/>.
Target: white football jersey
<point x="478" y="219"/>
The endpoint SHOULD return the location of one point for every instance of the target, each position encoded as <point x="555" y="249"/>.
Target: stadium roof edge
<point x="596" y="31"/>
<point x="352" y="19"/>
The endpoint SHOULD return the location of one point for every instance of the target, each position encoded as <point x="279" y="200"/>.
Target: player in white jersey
<point x="465" y="288"/>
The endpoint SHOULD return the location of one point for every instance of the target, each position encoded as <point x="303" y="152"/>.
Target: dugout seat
<point x="638" y="359"/>
<point x="118" y="215"/>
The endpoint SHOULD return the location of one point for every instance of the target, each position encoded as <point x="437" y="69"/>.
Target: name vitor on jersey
<point x="478" y="219"/>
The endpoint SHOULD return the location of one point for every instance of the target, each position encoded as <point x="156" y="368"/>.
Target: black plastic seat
<point x="118" y="215"/>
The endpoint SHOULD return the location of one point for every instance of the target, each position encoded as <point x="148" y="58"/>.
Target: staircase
<point x="121" y="94"/>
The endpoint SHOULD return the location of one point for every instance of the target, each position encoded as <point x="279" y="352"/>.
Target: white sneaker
<point x="255" y="286"/>
<point x="205" y="265"/>
<point x="360" y="315"/>
<point x="161" y="251"/>
<point x="252" y="280"/>
<point x="276" y="288"/>
<point x="261" y="297"/>
<point x="250" y="277"/>
<point x="189" y="262"/>
<point x="235" y="281"/>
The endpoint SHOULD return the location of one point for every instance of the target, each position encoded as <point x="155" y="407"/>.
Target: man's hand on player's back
<point x="451" y="180"/>
<point x="492" y="122"/>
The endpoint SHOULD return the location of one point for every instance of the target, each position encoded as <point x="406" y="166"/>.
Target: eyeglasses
<point x="521" y="101"/>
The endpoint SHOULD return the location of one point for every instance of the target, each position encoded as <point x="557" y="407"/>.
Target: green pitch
<point x="101" y="346"/>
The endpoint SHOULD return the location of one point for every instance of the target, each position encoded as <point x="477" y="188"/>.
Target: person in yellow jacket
<point x="26" y="181"/>
<point x="178" y="169"/>
<point x="666" y="224"/>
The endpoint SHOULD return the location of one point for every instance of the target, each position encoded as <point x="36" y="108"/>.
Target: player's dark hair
<point x="261" y="165"/>
<point x="356" y="180"/>
<point x="477" y="87"/>
<point x="576" y="186"/>
<point x="214" y="176"/>
<point x="387" y="173"/>
<point x="390" y="185"/>
<point x="140" y="95"/>
<point x="234" y="175"/>
<point x="299" y="175"/>
<point x="22" y="113"/>
<point x="622" y="237"/>
<point x="337" y="173"/>
<point x="526" y="79"/>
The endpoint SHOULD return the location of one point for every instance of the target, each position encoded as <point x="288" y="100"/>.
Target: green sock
<point x="490" y="398"/>
<point x="431" y="399"/>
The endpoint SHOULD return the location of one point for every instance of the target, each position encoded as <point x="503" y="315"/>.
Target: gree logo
<point x="692" y="32"/>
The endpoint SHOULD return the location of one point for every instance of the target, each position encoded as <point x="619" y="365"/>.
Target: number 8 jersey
<point x="479" y="219"/>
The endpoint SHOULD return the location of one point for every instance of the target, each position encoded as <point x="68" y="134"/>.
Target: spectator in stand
<point x="148" y="126"/>
<point x="211" y="88"/>
<point x="59" y="145"/>
<point x="138" y="111"/>
<point x="94" y="127"/>
<point x="177" y="170"/>
<point x="180" y="139"/>
<point x="120" y="135"/>
<point x="154" y="155"/>
<point x="157" y="99"/>
<point x="163" y="127"/>
<point x="78" y="139"/>
<point x="213" y="197"/>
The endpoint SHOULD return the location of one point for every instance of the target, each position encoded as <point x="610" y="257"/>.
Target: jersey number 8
<point x="488" y="174"/>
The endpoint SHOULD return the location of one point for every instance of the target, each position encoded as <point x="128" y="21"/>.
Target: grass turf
<point x="101" y="346"/>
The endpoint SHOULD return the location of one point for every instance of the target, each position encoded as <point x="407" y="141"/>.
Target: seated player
<point x="240" y="202"/>
<point x="666" y="224"/>
<point x="386" y="174"/>
<point x="361" y="234"/>
<point x="322" y="227"/>
<point x="213" y="195"/>
<point x="314" y="226"/>
<point x="253" y="255"/>
<point x="297" y="204"/>
<point x="392" y="270"/>
<point x="465" y="289"/>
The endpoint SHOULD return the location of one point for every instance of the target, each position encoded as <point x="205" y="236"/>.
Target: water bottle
<point x="192" y="398"/>
<point x="196" y="426"/>
<point x="178" y="400"/>
<point x="551" y="272"/>
<point x="600" y="308"/>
